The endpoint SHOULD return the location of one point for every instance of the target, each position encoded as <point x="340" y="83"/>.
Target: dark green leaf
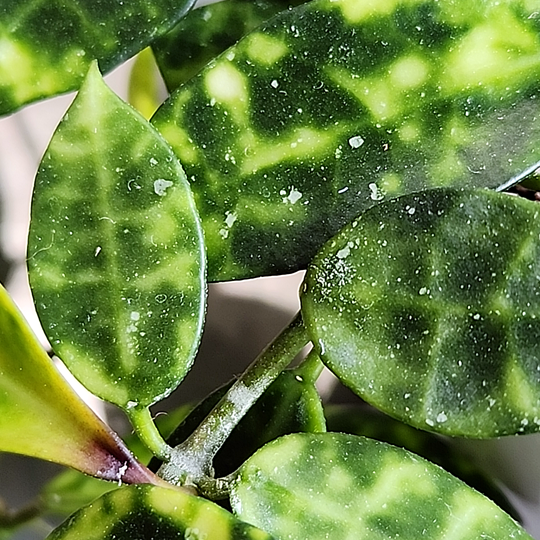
<point x="289" y="405"/>
<point x="337" y="104"/>
<point x="47" y="45"/>
<point x="116" y="255"/>
<point x="206" y="32"/>
<point x="149" y="512"/>
<point x="342" y="487"/>
<point x="428" y="307"/>
<point x="368" y="422"/>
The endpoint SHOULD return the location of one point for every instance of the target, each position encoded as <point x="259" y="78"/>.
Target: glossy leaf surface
<point x="368" y="422"/>
<point x="149" y="512"/>
<point x="206" y="32"/>
<point x="41" y="416"/>
<point x="342" y="486"/>
<point x="116" y="255"/>
<point x="336" y="105"/>
<point x="291" y="404"/>
<point x="47" y="45"/>
<point x="428" y="307"/>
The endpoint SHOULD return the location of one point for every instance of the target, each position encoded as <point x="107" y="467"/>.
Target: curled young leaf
<point x="41" y="416"/>
<point x="335" y="105"/>
<point x="428" y="307"/>
<point x="116" y="255"/>
<point x="48" y="45"/>
<point x="150" y="512"/>
<point x="331" y="485"/>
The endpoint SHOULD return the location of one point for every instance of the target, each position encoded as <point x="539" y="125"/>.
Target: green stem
<point x="191" y="462"/>
<point x="310" y="368"/>
<point x="146" y="429"/>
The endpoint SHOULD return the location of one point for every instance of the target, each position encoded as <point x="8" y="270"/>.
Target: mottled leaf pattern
<point x="338" y="104"/>
<point x="116" y="255"/>
<point x="428" y="307"/>
<point x="41" y="415"/>
<point x="47" y="45"/>
<point x="149" y="512"/>
<point x="369" y="422"/>
<point x="206" y="32"/>
<point x="343" y="487"/>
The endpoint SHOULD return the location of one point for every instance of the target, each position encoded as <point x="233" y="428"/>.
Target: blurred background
<point x="242" y="318"/>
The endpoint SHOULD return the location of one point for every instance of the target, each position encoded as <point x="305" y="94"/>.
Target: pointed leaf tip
<point x="41" y="416"/>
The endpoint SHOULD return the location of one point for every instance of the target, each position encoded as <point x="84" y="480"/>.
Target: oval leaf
<point x="336" y="105"/>
<point x="342" y="486"/>
<point x="116" y="255"/>
<point x="368" y="422"/>
<point x="142" y="512"/>
<point x="427" y="306"/>
<point x="41" y="415"/>
<point x="48" y="45"/>
<point x="206" y="32"/>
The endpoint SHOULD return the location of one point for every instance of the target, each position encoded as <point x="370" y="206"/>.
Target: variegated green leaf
<point x="206" y="32"/>
<point x="46" y="46"/>
<point x="343" y="487"/>
<point x="366" y="421"/>
<point x="149" y="512"/>
<point x="116" y="255"/>
<point x="41" y="416"/>
<point x="338" y="104"/>
<point x="428" y="307"/>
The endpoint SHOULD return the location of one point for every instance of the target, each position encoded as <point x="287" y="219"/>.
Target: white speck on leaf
<point x="96" y="253"/>
<point x="441" y="418"/>
<point x="230" y="218"/>
<point x="293" y="197"/>
<point x="356" y="142"/>
<point x="161" y="185"/>
<point x="376" y="193"/>
<point x="344" y="253"/>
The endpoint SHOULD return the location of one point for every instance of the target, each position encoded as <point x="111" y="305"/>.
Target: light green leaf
<point x="149" y="512"/>
<point x="362" y="419"/>
<point x="428" y="307"/>
<point x="206" y="32"/>
<point x="342" y="487"/>
<point x="47" y="46"/>
<point x="116" y="255"/>
<point x="41" y="416"/>
<point x="336" y="105"/>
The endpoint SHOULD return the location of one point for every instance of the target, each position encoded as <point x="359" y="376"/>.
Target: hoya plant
<point x="369" y="142"/>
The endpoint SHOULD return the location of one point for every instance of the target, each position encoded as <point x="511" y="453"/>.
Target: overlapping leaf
<point x="336" y="105"/>
<point x="428" y="306"/>
<point x="144" y="512"/>
<point x="342" y="486"/>
<point x="206" y="32"/>
<point x="47" y="45"/>
<point x="116" y="255"/>
<point x="41" y="416"/>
